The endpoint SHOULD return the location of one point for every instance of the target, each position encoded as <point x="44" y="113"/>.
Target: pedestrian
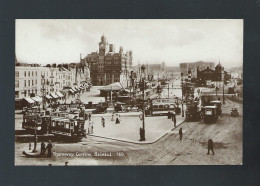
<point x="66" y="163"/>
<point x="210" y="146"/>
<point x="112" y="119"/>
<point x="180" y="133"/>
<point x="174" y="118"/>
<point x="42" y="148"/>
<point x="141" y="134"/>
<point x="89" y="116"/>
<point x="30" y="145"/>
<point x="117" y="121"/>
<point x="49" y="147"/>
<point x="103" y="121"/>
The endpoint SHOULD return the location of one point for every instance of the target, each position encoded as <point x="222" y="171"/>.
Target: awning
<point x="59" y="94"/>
<point x="48" y="97"/>
<point x="54" y="95"/>
<point x="29" y="100"/>
<point x="37" y="99"/>
<point x="114" y="86"/>
<point x="82" y="88"/>
<point x="72" y="91"/>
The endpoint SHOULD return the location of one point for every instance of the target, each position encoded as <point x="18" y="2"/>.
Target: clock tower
<point x="101" y="55"/>
<point x="103" y="45"/>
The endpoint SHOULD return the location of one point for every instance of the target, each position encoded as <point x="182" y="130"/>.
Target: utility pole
<point x="182" y="111"/>
<point x="223" y="87"/>
<point x="143" y="130"/>
<point x="168" y="89"/>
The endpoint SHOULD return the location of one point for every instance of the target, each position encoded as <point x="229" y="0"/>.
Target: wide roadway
<point x="169" y="150"/>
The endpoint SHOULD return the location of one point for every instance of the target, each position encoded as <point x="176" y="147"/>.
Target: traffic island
<point x="128" y="130"/>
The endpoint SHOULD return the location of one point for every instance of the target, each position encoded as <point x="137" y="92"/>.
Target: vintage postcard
<point x="128" y="92"/>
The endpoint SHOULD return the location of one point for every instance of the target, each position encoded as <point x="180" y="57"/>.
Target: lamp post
<point x="35" y="135"/>
<point x="142" y="133"/>
<point x="43" y="92"/>
<point x="182" y="111"/>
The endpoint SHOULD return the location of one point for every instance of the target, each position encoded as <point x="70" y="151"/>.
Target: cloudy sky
<point x="152" y="41"/>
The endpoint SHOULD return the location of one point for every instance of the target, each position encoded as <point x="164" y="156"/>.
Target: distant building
<point x="184" y="67"/>
<point x="212" y="76"/>
<point x="107" y="66"/>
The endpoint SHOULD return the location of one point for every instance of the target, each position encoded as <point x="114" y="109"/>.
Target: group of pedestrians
<point x="117" y="116"/>
<point x="44" y="148"/>
<point x="117" y="120"/>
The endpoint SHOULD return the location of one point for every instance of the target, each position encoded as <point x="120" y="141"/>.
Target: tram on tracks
<point x="64" y="124"/>
<point x="160" y="107"/>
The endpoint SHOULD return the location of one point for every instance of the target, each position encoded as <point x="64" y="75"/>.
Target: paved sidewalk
<point x="128" y="129"/>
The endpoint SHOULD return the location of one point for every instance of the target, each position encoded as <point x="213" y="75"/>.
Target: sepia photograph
<point x="92" y="92"/>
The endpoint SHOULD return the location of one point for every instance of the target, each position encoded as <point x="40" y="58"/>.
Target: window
<point x="16" y="83"/>
<point x="32" y="73"/>
<point x="28" y="82"/>
<point x="24" y="83"/>
<point x="24" y="73"/>
<point x="29" y="73"/>
<point x="25" y="93"/>
<point x="16" y="74"/>
<point x="32" y="82"/>
<point x="36" y="73"/>
<point x="36" y="82"/>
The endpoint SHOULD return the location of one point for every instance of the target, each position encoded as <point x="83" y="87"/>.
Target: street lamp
<point x="35" y="135"/>
<point x="182" y="111"/>
<point x="142" y="132"/>
<point x="43" y="91"/>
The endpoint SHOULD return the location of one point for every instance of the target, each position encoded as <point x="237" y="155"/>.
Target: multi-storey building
<point x="106" y="66"/>
<point x="28" y="81"/>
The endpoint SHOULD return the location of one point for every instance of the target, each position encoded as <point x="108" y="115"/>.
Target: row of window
<point x="32" y="73"/>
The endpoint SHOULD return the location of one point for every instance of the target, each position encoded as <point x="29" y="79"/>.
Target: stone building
<point x="107" y="66"/>
<point x="208" y="75"/>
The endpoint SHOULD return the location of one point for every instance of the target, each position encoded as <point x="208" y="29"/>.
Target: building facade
<point x="185" y="67"/>
<point x="29" y="80"/>
<point x="107" y="66"/>
<point x="216" y="76"/>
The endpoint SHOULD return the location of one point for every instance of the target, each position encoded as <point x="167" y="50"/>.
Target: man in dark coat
<point x="42" y="148"/>
<point x="210" y="146"/>
<point x="180" y="133"/>
<point x="174" y="118"/>
<point x="49" y="147"/>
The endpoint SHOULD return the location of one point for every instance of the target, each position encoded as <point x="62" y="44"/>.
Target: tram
<point x="210" y="114"/>
<point x="68" y="125"/>
<point x="160" y="107"/>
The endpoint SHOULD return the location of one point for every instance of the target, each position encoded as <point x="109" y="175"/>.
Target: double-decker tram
<point x="66" y="125"/>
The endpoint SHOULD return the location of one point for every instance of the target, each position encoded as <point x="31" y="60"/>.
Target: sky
<point x="173" y="41"/>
